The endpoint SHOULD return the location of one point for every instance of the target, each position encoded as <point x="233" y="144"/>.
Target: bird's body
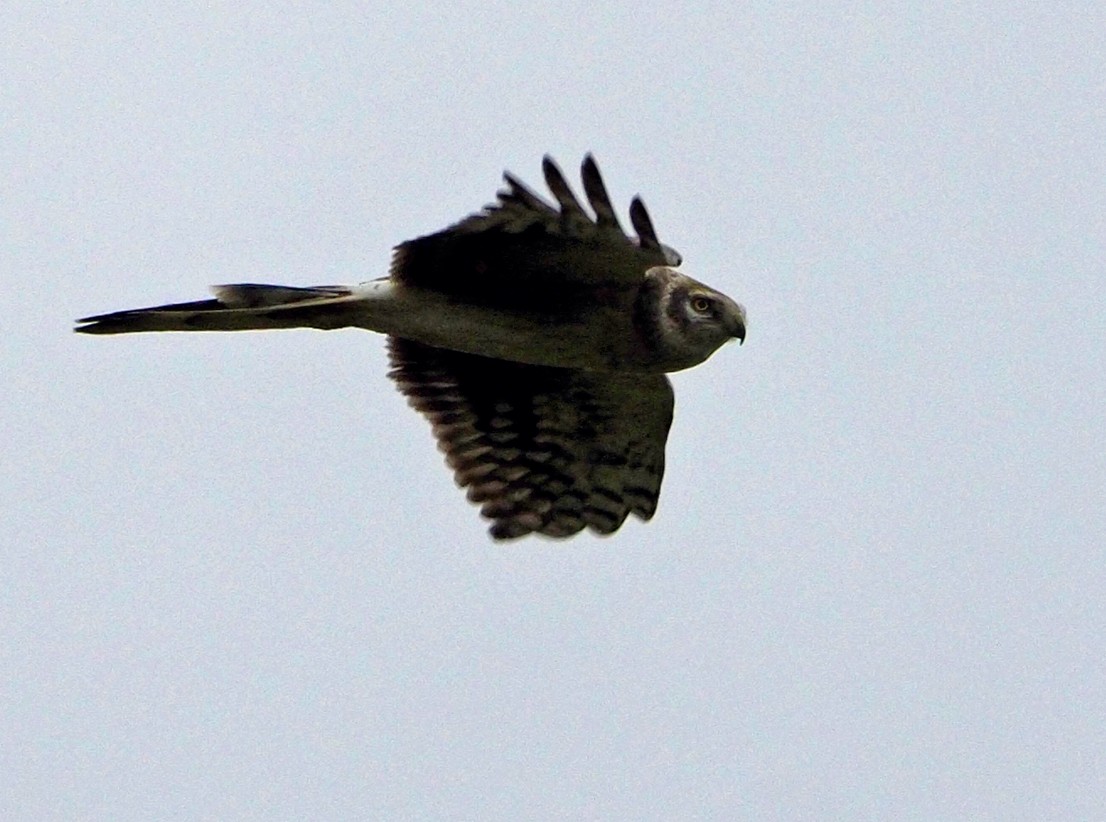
<point x="553" y="331"/>
<point x="521" y="315"/>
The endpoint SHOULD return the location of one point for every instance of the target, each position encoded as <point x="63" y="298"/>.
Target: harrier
<point x="534" y="337"/>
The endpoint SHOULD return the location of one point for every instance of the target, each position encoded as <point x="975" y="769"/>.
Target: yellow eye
<point x="701" y="304"/>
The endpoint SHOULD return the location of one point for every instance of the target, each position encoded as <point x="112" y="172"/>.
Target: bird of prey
<point x="534" y="337"/>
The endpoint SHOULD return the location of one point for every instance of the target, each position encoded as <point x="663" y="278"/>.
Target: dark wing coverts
<point x="524" y="248"/>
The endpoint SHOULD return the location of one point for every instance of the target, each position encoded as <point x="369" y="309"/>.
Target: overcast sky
<point x="238" y="582"/>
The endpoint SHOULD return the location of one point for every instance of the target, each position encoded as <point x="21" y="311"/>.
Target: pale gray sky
<point x="238" y="581"/>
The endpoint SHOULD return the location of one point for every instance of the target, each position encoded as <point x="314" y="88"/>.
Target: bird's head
<point x="685" y="320"/>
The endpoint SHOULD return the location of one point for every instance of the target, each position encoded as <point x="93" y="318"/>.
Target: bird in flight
<point x="535" y="337"/>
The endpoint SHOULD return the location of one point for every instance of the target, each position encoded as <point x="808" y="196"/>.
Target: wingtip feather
<point x="596" y="191"/>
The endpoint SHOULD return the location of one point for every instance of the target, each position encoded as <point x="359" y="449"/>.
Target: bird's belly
<point x="593" y="339"/>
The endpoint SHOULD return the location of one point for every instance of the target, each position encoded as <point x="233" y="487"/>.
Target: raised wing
<point x="541" y="450"/>
<point x="523" y="248"/>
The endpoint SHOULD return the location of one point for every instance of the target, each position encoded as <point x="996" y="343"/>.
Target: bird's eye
<point x="701" y="304"/>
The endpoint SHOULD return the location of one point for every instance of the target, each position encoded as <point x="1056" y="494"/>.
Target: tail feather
<point x="240" y="307"/>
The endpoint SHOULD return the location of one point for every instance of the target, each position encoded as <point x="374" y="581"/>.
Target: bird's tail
<point x="241" y="307"/>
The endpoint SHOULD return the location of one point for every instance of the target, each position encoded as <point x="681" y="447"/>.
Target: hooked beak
<point x="736" y="325"/>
